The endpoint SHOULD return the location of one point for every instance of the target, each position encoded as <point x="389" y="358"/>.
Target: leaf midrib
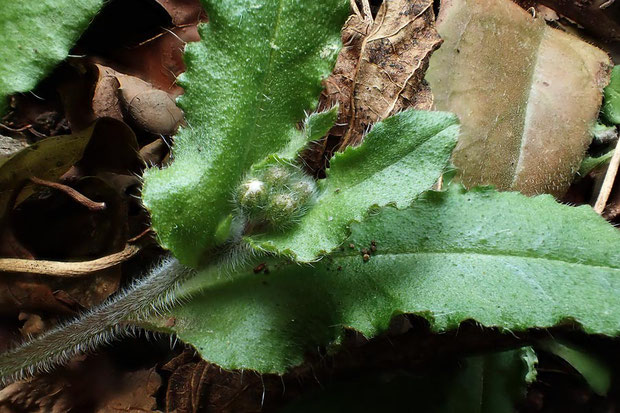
<point x="356" y="254"/>
<point x="267" y="75"/>
<point x="528" y="110"/>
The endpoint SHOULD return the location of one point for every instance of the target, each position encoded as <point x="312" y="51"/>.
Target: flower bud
<point x="304" y="190"/>
<point x="281" y="209"/>
<point x="277" y="175"/>
<point x="252" y="195"/>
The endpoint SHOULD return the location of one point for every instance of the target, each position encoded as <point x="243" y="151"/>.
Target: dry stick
<point x="83" y="200"/>
<point x="608" y="183"/>
<point x="67" y="269"/>
<point x="23" y="128"/>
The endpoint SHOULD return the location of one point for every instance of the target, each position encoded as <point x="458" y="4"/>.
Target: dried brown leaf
<point x="339" y="85"/>
<point x="136" y="393"/>
<point x="105" y="92"/>
<point x="105" y="101"/>
<point x="188" y="384"/>
<point x="86" y="385"/>
<point x="381" y="68"/>
<point x="150" y="109"/>
<point x="155" y="152"/>
<point x="183" y="12"/>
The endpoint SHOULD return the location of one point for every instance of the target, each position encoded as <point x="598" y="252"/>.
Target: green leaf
<point x="318" y="124"/>
<point x="400" y="158"/>
<point x="37" y="35"/>
<point x="597" y="374"/>
<point x="526" y="94"/>
<point x="489" y="383"/>
<point x="604" y="134"/>
<point x="501" y="259"/>
<point x="47" y="159"/>
<point x="530" y="358"/>
<point x="248" y="82"/>
<point x="611" y="105"/>
<point x="492" y="383"/>
<point x="315" y="127"/>
<point x="591" y="163"/>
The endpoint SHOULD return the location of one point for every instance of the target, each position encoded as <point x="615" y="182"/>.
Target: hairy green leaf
<point x="248" y="82"/>
<point x="501" y="259"/>
<point x="611" y="106"/>
<point x="492" y="383"/>
<point x="36" y="35"/>
<point x="315" y="127"/>
<point x="590" y="163"/>
<point x="526" y="94"/>
<point x="400" y="158"/>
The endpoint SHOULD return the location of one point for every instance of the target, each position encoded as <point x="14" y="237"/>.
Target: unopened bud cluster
<point x="277" y="195"/>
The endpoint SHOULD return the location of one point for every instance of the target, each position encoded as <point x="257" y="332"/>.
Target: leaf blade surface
<point x="37" y="35"/>
<point x="501" y="259"/>
<point x="400" y="158"/>
<point x="256" y="70"/>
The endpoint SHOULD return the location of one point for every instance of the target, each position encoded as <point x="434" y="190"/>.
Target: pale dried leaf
<point x="117" y="94"/>
<point x="9" y="146"/>
<point x="527" y="95"/>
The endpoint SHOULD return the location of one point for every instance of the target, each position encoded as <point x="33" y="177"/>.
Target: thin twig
<point x="37" y="133"/>
<point x="166" y="31"/>
<point x="140" y="235"/>
<point x="67" y="269"/>
<point x="75" y="195"/>
<point x="23" y="128"/>
<point x="608" y="183"/>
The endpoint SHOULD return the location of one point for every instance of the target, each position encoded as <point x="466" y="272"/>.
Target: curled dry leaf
<point x="150" y="109"/>
<point x="527" y="95"/>
<point x="381" y="67"/>
<point x="105" y="101"/>
<point x="105" y="92"/>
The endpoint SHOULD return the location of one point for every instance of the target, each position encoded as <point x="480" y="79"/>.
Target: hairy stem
<point x="154" y="293"/>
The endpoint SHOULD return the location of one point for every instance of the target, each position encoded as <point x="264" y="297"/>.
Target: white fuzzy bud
<point x="252" y="194"/>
